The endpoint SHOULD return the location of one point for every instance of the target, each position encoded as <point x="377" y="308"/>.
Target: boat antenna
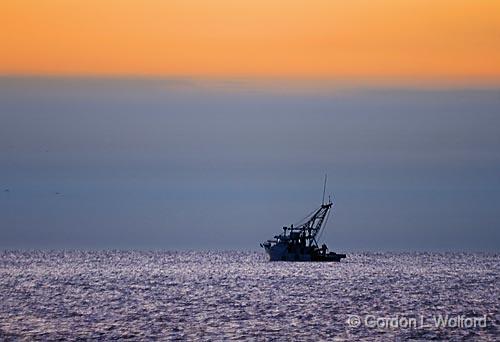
<point x="324" y="189"/>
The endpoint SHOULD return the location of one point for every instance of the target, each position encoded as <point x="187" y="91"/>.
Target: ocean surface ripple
<point x="240" y="295"/>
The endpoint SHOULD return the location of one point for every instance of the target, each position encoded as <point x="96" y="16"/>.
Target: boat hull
<point x="282" y="253"/>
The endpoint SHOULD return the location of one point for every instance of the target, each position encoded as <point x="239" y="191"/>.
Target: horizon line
<point x="410" y="81"/>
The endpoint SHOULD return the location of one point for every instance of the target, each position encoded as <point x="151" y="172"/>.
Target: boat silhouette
<point x="300" y="243"/>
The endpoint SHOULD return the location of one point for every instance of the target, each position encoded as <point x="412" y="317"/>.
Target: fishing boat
<point x="300" y="243"/>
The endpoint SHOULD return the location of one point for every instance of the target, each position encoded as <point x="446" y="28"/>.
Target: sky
<point x="452" y="40"/>
<point x="185" y="164"/>
<point x="210" y="124"/>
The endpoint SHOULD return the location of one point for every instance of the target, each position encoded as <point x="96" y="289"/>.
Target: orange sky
<point x="294" y="38"/>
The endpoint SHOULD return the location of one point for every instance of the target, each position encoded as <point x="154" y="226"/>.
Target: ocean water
<point x="240" y="295"/>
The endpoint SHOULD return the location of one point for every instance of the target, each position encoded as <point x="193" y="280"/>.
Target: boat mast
<point x="324" y="189"/>
<point x="310" y="228"/>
